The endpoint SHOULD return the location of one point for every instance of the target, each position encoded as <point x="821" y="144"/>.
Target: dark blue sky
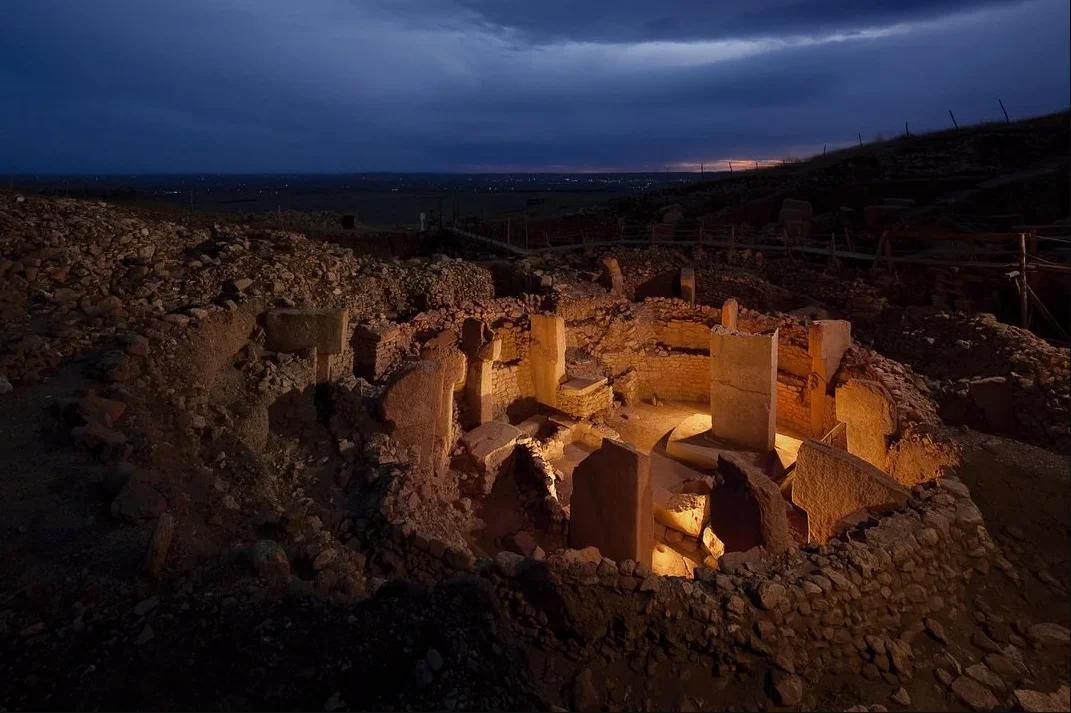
<point x="128" y="86"/>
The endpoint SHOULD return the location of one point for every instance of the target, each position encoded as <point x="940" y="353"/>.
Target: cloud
<point x="633" y="21"/>
<point x="358" y="85"/>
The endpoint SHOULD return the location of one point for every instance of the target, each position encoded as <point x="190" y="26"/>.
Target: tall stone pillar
<point x="294" y="330"/>
<point x="616" y="279"/>
<point x="688" y="285"/>
<point x="612" y="505"/>
<point x="547" y="356"/>
<point x="827" y="340"/>
<point x="443" y="350"/>
<point x="729" y="312"/>
<point x="743" y="388"/>
<point x="481" y="351"/>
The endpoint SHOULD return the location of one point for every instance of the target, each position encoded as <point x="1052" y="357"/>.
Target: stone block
<point x="295" y="330"/>
<point x="611" y="504"/>
<point x="547" y="356"/>
<point x="668" y="562"/>
<point x="827" y="340"/>
<point x="684" y="512"/>
<point x="743" y="388"/>
<point x="481" y="350"/>
<point x="830" y="484"/>
<point x="582" y="397"/>
<point x="489" y="447"/>
<point x="869" y="415"/>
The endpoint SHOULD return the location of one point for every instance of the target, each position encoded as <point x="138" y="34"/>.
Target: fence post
<point x="1024" y="315"/>
<point x="860" y="138"/>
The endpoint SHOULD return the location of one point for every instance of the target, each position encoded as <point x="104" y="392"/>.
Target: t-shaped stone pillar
<point x="612" y="505"/>
<point x="547" y="356"/>
<point x="827" y="340"/>
<point x="688" y="285"/>
<point x="443" y="349"/>
<point x="743" y="388"/>
<point x="729" y="312"/>
<point x="617" y="280"/>
<point x="481" y="351"/>
<point x="294" y="330"/>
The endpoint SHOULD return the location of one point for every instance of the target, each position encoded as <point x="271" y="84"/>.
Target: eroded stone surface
<point x="747" y="509"/>
<point x="684" y="512"/>
<point x="869" y="414"/>
<point x="293" y="330"/>
<point x="830" y="483"/>
<point x="548" y="356"/>
<point x="611" y="505"/>
<point x="743" y="388"/>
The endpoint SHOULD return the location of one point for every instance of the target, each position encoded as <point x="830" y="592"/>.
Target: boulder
<point x="684" y="512"/>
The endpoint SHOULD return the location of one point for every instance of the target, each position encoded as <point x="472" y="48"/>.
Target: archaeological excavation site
<point x="254" y="467"/>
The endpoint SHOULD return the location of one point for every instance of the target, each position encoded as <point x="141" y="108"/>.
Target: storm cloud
<point x="127" y="86"/>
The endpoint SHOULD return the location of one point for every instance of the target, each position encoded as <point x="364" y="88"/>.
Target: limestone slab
<point x="747" y="509"/>
<point x="869" y="415"/>
<point x="547" y="356"/>
<point x="830" y="484"/>
<point x="743" y="388"/>
<point x="294" y="330"/>
<point x="491" y="443"/>
<point x="611" y="504"/>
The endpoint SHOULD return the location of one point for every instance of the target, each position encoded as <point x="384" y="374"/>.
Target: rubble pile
<point x="74" y="272"/>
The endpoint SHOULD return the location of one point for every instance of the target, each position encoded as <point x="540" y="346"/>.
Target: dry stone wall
<point x="793" y="404"/>
<point x="850" y="605"/>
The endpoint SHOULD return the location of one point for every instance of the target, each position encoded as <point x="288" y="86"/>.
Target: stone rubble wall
<point x="676" y="376"/>
<point x="583" y="405"/>
<point x="793" y="404"/>
<point x="850" y="604"/>
<point x="511" y="383"/>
